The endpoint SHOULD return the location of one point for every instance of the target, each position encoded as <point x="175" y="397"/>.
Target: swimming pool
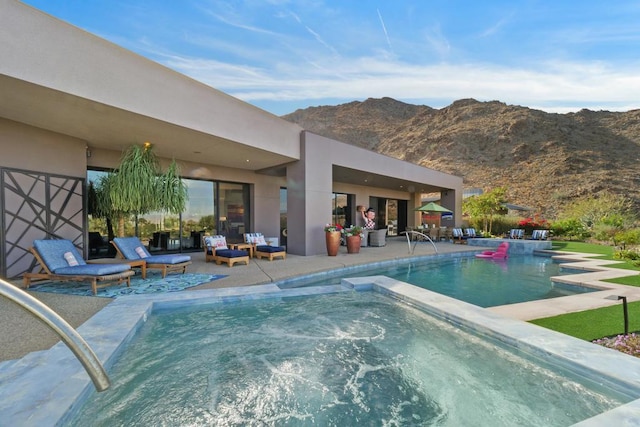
<point x="340" y="359"/>
<point x="47" y="388"/>
<point x="485" y="283"/>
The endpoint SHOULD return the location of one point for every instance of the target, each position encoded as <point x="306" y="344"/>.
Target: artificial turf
<point x="601" y="322"/>
<point x="594" y="324"/>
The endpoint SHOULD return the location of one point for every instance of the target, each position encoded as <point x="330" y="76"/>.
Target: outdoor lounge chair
<point x="216" y="247"/>
<point x="262" y="249"/>
<point x="539" y="235"/>
<point x="516" y="233"/>
<point x="60" y="260"/>
<point x="131" y="248"/>
<point x="471" y="233"/>
<point x="458" y="236"/>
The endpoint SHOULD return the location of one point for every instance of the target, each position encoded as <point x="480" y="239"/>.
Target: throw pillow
<point x="71" y="259"/>
<point x="218" y="242"/>
<point x="141" y="252"/>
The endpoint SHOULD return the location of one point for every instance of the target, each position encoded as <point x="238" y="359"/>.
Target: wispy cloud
<point x="437" y="41"/>
<point x="495" y="28"/>
<point x="553" y="56"/>
<point x="586" y="85"/>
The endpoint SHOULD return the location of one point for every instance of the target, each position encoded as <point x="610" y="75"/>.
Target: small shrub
<point x="604" y="232"/>
<point x="627" y="237"/>
<point x="499" y="226"/>
<point x="629" y="344"/>
<point x="626" y="254"/>
<point x="570" y="229"/>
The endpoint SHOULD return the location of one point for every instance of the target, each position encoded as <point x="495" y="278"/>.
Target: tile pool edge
<point x="51" y="385"/>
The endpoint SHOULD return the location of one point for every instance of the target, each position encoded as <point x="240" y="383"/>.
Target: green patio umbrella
<point x="432" y="207"/>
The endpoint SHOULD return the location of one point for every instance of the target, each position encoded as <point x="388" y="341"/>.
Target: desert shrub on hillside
<point x="626" y="238"/>
<point x="570" y="229"/>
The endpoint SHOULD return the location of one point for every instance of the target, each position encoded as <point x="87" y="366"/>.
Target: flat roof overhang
<point x="371" y="179"/>
<point x="111" y="128"/>
<point x="355" y="165"/>
<point x="57" y="77"/>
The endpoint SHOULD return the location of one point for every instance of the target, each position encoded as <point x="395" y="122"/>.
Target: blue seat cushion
<point x="269" y="249"/>
<point x="52" y="253"/>
<point x="167" y="259"/>
<point x="128" y="245"/>
<point x="231" y="253"/>
<point x="93" y="269"/>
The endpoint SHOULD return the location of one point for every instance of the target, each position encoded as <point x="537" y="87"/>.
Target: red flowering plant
<point x="329" y="228"/>
<point x="530" y="224"/>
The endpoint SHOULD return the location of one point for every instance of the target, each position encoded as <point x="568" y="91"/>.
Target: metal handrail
<point x="69" y="336"/>
<point x="411" y="232"/>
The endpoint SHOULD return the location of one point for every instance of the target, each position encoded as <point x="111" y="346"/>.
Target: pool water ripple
<point x="341" y="359"/>
<point x="482" y="282"/>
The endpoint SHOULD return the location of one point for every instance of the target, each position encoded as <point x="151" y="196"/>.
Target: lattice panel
<point x="66" y="209"/>
<point x="37" y="206"/>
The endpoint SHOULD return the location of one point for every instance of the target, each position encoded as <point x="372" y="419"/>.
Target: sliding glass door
<point x="212" y="208"/>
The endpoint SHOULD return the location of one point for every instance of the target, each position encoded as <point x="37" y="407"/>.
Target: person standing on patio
<point x="369" y="218"/>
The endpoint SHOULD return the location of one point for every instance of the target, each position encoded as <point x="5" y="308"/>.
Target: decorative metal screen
<point x="33" y="206"/>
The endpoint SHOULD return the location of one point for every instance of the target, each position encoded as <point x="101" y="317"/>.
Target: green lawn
<point x="605" y="252"/>
<point x="593" y="324"/>
<point x="601" y="322"/>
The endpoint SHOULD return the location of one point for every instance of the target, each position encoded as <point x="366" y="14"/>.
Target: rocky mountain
<point x="544" y="159"/>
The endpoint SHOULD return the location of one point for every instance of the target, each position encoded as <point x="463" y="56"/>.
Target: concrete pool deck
<point x="20" y="333"/>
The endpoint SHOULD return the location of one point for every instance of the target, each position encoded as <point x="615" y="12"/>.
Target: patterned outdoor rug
<point x="153" y="284"/>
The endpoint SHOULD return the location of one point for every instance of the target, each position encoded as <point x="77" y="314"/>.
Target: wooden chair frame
<point x="164" y="268"/>
<point x="46" y="274"/>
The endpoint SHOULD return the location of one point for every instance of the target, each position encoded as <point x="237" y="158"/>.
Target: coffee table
<point x="134" y="263"/>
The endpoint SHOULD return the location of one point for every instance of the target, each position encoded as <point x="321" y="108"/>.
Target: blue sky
<point x="281" y="55"/>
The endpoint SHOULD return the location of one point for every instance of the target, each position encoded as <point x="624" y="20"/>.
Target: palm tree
<point x="138" y="186"/>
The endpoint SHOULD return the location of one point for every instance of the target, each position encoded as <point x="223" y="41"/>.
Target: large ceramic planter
<point x="353" y="244"/>
<point x="333" y="242"/>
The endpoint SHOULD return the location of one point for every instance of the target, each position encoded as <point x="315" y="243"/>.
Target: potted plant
<point x="353" y="237"/>
<point x="332" y="236"/>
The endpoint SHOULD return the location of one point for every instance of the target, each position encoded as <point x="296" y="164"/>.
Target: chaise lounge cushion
<point x="53" y="252"/>
<point x="92" y="269"/>
<point x="167" y="259"/>
<point x="131" y="246"/>
<point x="231" y="253"/>
<point x="269" y="249"/>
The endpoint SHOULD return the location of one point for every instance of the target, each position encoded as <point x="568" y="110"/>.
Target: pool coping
<point x="45" y="388"/>
<point x="592" y="273"/>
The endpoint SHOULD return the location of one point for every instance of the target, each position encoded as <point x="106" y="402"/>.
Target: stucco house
<point x="71" y="103"/>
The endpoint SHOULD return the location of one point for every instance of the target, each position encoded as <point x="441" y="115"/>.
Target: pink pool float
<point x="500" y="253"/>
